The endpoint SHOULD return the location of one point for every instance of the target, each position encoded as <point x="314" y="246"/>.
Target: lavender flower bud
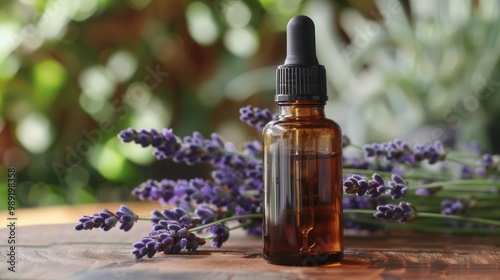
<point x="398" y="151"/>
<point x="359" y="185"/>
<point x="253" y="148"/>
<point x="107" y="220"/>
<point x="158" y="241"/>
<point x="433" y="153"/>
<point x="488" y="163"/>
<point x="256" y="117"/>
<point x="206" y="214"/>
<point x="397" y="187"/>
<point x="402" y="213"/>
<point x="127" y="218"/>
<point x="452" y="207"/>
<point x="220" y="233"/>
<point x="167" y="237"/>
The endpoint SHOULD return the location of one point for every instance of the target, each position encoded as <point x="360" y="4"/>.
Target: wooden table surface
<point x="57" y="251"/>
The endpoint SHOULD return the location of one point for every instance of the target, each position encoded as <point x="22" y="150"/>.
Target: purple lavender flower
<point x="253" y="148"/>
<point x="466" y="172"/>
<point x="427" y="191"/>
<point x="127" y="218"/>
<point x="206" y="214"/>
<point x="356" y="184"/>
<point x="145" y="138"/>
<point x="256" y="117"/>
<point x="372" y="150"/>
<point x="246" y="205"/>
<point x="402" y="213"/>
<point x="153" y="243"/>
<point x="184" y="192"/>
<point x="452" y="207"/>
<point x="220" y="235"/>
<point x="108" y="220"/>
<point x="192" y="149"/>
<point x="397" y="187"/>
<point x="169" y="240"/>
<point x="488" y="163"/>
<point x="161" y="220"/>
<point x="162" y="191"/>
<point x="377" y="186"/>
<point x="359" y="185"/>
<point x="432" y="153"/>
<point x="399" y="151"/>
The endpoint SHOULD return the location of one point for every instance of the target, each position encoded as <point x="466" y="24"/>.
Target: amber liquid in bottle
<point x="302" y="187"/>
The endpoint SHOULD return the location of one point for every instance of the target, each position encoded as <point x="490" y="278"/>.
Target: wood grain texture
<point x="59" y="252"/>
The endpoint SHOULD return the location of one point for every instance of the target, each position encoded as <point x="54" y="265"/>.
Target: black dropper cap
<point x="301" y="77"/>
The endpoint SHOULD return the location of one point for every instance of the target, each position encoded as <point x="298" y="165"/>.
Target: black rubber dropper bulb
<point x="301" y="77"/>
<point x="300" y="42"/>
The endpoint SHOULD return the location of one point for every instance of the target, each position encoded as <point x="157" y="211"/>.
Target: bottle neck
<point x="302" y="108"/>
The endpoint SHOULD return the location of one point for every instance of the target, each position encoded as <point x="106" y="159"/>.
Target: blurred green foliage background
<point x="73" y="73"/>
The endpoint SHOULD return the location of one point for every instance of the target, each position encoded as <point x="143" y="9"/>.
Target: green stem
<point x="460" y="161"/>
<point x="459" y="218"/>
<point x="242" y="217"/>
<point x="433" y="215"/>
<point x="465" y="182"/>
<point x="355" y="146"/>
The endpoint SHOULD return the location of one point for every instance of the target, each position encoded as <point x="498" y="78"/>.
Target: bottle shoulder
<point x="283" y="124"/>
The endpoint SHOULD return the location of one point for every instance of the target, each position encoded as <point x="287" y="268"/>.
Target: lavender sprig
<point x="172" y="239"/>
<point x="400" y="152"/>
<point x="234" y="191"/>
<point x="173" y="231"/>
<point x="360" y="185"/>
<point x="402" y="213"/>
<point x="190" y="150"/>
<point x="108" y="220"/>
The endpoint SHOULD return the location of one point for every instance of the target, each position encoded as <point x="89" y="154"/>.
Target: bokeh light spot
<point x="9" y="67"/>
<point x="237" y="14"/>
<point x="241" y="42"/>
<point x="85" y="9"/>
<point x="34" y="133"/>
<point x="49" y="77"/>
<point x="201" y="24"/>
<point x="153" y="115"/>
<point x="91" y="105"/>
<point x="97" y="82"/>
<point x="110" y="163"/>
<point x="137" y="154"/>
<point x="122" y="64"/>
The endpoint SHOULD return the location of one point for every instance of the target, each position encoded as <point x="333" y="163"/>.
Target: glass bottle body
<point x="302" y="187"/>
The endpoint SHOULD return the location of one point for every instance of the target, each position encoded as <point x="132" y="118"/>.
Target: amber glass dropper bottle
<point x="302" y="162"/>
